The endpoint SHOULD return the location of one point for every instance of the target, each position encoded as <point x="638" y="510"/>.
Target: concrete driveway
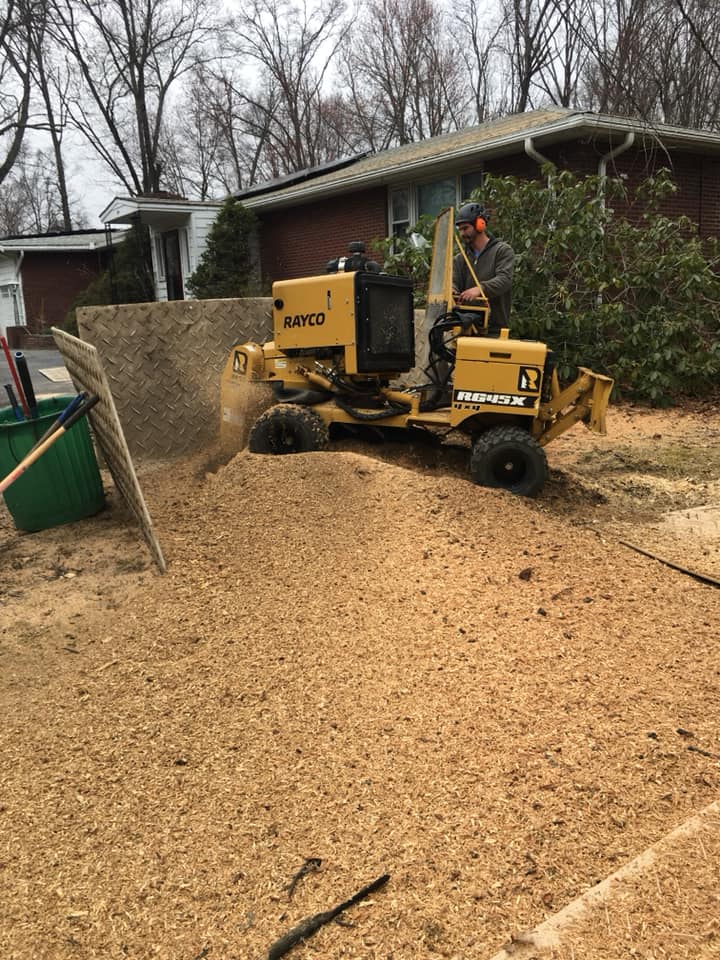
<point x="47" y="371"/>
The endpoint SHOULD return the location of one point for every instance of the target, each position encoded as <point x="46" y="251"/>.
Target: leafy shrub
<point x="130" y="280"/>
<point x="228" y="266"/>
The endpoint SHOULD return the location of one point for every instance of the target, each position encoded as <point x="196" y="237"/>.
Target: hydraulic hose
<point x="392" y="410"/>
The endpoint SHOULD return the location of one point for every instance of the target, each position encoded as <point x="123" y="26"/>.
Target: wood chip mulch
<point x="388" y="671"/>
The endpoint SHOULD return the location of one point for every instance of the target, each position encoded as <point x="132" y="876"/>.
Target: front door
<point x="173" y="265"/>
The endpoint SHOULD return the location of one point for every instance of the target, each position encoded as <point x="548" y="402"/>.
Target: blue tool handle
<point x="71" y="408"/>
<point x="81" y="411"/>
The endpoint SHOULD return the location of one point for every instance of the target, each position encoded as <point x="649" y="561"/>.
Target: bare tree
<point x="654" y="59"/>
<point x="192" y="142"/>
<point x="561" y="75"/>
<point x="30" y="201"/>
<point x="51" y="82"/>
<point x="530" y="33"/>
<point x="624" y="38"/>
<point x="476" y="42"/>
<point x="128" y="55"/>
<point x="401" y="66"/>
<point x="290" y="48"/>
<point x="15" y="81"/>
<point x="689" y="75"/>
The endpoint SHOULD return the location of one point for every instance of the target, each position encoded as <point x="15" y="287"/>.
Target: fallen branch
<point x="704" y="753"/>
<point x="696" y="574"/>
<point x="310" y="925"/>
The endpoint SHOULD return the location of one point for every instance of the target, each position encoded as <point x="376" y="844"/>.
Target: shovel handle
<point x="39" y="450"/>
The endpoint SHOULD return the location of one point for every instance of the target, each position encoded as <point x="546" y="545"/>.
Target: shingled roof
<point x="72" y="241"/>
<point x="452" y="151"/>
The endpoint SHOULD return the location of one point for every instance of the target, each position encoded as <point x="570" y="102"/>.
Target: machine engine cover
<point x="497" y="375"/>
<point x="368" y="316"/>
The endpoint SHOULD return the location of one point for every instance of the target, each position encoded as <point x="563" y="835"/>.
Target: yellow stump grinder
<point x="343" y="340"/>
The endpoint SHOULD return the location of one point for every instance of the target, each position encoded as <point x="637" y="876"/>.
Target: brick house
<point x="309" y="217"/>
<point x="41" y="275"/>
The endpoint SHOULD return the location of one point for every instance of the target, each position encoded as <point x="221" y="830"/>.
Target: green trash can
<point x="63" y="484"/>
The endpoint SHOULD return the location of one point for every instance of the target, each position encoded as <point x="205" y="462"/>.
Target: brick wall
<point x="697" y="177"/>
<point x="299" y="242"/>
<point x="710" y="198"/>
<point x="52" y="280"/>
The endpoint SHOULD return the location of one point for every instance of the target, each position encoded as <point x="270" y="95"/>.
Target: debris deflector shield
<point x="440" y="280"/>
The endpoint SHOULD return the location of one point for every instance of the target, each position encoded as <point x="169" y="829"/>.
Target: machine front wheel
<point x="509" y="458"/>
<point x="288" y="428"/>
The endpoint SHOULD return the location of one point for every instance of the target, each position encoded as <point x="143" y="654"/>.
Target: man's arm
<point x="459" y="270"/>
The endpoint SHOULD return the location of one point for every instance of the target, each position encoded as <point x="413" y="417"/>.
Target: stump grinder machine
<point x="343" y="341"/>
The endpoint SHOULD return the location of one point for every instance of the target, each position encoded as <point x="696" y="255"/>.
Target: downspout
<point x="19" y="296"/>
<point x="615" y="152"/>
<point x="540" y="160"/>
<point x="602" y="175"/>
<point x="534" y="154"/>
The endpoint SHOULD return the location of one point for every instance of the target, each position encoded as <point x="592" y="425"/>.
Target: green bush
<point x="227" y="267"/>
<point x="638" y="301"/>
<point x="130" y="280"/>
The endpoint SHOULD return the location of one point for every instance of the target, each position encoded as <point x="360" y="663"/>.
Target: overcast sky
<point x="91" y="185"/>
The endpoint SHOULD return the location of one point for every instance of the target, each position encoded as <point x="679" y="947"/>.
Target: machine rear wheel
<point x="288" y="428"/>
<point x="509" y="458"/>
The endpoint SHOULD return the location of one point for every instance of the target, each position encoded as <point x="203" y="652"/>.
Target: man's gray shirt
<point x="493" y="267"/>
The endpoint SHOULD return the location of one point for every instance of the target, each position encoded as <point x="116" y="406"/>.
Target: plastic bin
<point x="63" y="484"/>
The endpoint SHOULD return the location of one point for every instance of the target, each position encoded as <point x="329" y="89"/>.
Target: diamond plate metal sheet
<point x="164" y="362"/>
<point x="85" y="369"/>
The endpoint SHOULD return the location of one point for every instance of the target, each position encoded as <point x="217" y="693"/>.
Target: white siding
<point x="12" y="310"/>
<point x="193" y="236"/>
<point x="201" y="222"/>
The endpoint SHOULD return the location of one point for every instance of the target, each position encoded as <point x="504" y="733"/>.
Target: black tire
<point x="288" y="428"/>
<point x="509" y="458"/>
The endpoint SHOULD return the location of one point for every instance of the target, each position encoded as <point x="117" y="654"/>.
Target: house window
<point x="469" y="182"/>
<point x="399" y="211"/>
<point x="409" y="203"/>
<point x="436" y="196"/>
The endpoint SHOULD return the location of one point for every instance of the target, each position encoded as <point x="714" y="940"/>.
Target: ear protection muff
<point x="480" y="224"/>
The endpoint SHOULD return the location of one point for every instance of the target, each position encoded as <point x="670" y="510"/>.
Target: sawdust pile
<point x="390" y="671"/>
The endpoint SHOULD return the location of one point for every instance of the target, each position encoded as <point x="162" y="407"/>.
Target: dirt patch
<point x="361" y="657"/>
